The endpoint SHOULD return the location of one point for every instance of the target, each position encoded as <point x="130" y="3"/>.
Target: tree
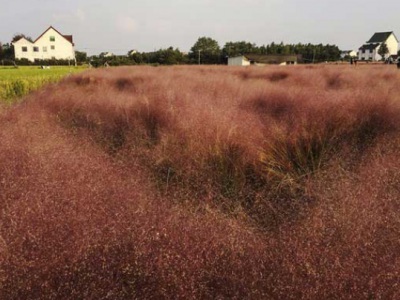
<point x="205" y="51"/>
<point x="81" y="57"/>
<point x="137" y="58"/>
<point x="7" y="51"/>
<point x="383" y="50"/>
<point x="239" y="48"/>
<point x="19" y="36"/>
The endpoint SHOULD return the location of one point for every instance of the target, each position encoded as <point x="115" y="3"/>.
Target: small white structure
<point x="238" y="61"/>
<point x="347" y="54"/>
<point x="132" y="52"/>
<point x="262" y="60"/>
<point x="369" y="51"/>
<point x="107" y="54"/>
<point x="51" y="44"/>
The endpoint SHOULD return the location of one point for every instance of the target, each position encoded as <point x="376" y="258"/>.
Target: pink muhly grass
<point x="207" y="182"/>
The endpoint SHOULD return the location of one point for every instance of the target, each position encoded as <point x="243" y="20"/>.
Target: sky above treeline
<point x="147" y="25"/>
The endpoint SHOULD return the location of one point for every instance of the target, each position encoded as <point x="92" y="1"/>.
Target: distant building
<point x="369" y="51"/>
<point x="132" y="52"/>
<point x="261" y="60"/>
<point x="51" y="44"/>
<point x="347" y="54"/>
<point x="107" y="54"/>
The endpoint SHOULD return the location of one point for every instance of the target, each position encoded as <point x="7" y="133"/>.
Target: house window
<point x="53" y="47"/>
<point x="363" y="50"/>
<point x="24" y="49"/>
<point x="44" y="49"/>
<point x="35" y="49"/>
<point x="52" y="38"/>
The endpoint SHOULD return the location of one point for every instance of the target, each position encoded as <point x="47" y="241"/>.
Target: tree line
<point x="204" y="51"/>
<point x="207" y="51"/>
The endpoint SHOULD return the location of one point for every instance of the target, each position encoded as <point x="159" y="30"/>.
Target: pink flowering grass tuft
<point x="203" y="183"/>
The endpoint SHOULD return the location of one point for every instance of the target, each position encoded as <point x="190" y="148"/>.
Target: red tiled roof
<point x="67" y="37"/>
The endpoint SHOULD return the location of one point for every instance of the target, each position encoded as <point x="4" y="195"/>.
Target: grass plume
<point x="257" y="183"/>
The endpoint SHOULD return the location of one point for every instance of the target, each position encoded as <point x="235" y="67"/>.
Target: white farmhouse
<point x="51" y="44"/>
<point x="369" y="51"/>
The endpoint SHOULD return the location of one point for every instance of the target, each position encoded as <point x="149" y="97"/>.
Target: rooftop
<point x="271" y="59"/>
<point x="369" y="46"/>
<point x="380" y="37"/>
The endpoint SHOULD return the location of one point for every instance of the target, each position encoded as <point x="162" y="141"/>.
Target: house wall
<point x="63" y="49"/>
<point x="365" y="56"/>
<point x="392" y="45"/>
<point x="19" y="53"/>
<point x="369" y="55"/>
<point x="238" y="61"/>
<point x="375" y="55"/>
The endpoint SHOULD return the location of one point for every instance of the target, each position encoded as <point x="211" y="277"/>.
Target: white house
<point x="369" y="51"/>
<point x="51" y="44"/>
<point x="261" y="60"/>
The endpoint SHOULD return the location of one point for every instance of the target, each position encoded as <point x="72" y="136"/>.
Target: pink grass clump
<point x="206" y="182"/>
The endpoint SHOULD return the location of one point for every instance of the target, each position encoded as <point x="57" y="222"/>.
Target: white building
<point x="347" y="54"/>
<point x="51" y="44"/>
<point x="107" y="54"/>
<point x="132" y="52"/>
<point x="238" y="61"/>
<point x="369" y="51"/>
<point x="262" y="60"/>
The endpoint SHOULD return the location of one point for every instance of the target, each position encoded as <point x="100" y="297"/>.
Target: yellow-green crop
<point x="17" y="82"/>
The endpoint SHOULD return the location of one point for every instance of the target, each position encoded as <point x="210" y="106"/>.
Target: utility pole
<point x="313" y="59"/>
<point x="199" y="56"/>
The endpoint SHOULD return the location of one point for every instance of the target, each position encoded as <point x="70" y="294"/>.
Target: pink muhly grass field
<point x="203" y="183"/>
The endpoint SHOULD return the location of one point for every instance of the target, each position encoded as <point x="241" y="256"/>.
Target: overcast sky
<point x="145" y="25"/>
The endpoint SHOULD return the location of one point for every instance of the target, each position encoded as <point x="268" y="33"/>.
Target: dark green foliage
<point x="383" y="50"/>
<point x="7" y="52"/>
<point x="44" y="62"/>
<point x="117" y="60"/>
<point x="309" y="52"/>
<point x="81" y="57"/>
<point x="19" y="36"/>
<point x="239" y="48"/>
<point x="169" y="56"/>
<point x="205" y="51"/>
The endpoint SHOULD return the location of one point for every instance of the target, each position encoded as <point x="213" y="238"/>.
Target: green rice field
<point x="17" y="82"/>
